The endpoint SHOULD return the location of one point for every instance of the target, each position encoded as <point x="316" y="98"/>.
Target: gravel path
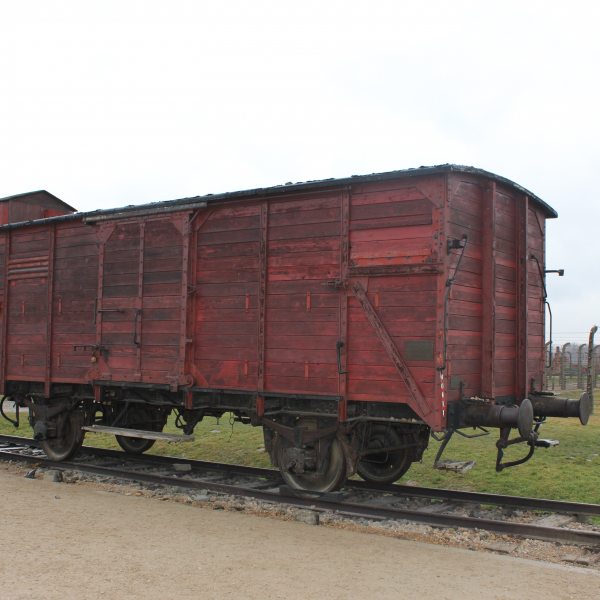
<point x="85" y="542"/>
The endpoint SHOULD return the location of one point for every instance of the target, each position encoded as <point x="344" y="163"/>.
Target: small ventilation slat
<point x="25" y="268"/>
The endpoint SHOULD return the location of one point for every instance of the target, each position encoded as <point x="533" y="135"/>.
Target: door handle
<point x="97" y="310"/>
<point x="339" y="347"/>
<point x="137" y="312"/>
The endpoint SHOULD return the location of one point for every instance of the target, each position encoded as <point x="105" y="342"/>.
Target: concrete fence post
<point x="591" y="382"/>
<point x="563" y="367"/>
<point x="580" y="367"/>
<point x="594" y="366"/>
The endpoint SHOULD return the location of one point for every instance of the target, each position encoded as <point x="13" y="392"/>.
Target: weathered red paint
<point x="254" y="294"/>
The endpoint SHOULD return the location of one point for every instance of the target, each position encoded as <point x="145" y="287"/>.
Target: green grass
<point x="569" y="471"/>
<point x="560" y="473"/>
<point x="214" y="442"/>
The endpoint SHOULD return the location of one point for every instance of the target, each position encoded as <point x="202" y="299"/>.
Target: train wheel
<point x="143" y="420"/>
<point x="385" y="467"/>
<point x="68" y="445"/>
<point x="134" y="445"/>
<point x="311" y="484"/>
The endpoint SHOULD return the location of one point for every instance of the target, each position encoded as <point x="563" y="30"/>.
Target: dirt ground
<point x="74" y="542"/>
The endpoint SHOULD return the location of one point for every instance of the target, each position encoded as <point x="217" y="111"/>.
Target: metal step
<point x="138" y="433"/>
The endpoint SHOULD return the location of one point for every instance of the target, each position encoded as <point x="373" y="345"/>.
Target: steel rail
<point x="201" y="465"/>
<point x="540" y="504"/>
<point x="522" y="530"/>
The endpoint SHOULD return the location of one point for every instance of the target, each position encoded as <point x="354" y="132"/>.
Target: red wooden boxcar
<point x="347" y="317"/>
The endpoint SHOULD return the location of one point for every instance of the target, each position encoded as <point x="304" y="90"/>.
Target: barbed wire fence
<point x="572" y="366"/>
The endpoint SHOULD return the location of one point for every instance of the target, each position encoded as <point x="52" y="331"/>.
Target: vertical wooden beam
<point x="488" y="281"/>
<point x="522" y="209"/>
<point x="183" y="337"/>
<point x="262" y="303"/>
<point x="343" y="335"/>
<point x="345" y="236"/>
<point x="4" y="313"/>
<point x="191" y="296"/>
<point x="196" y="222"/>
<point x="98" y="315"/>
<point x="137" y="376"/>
<point x="106" y="231"/>
<point x="51" y="245"/>
<point x="441" y="223"/>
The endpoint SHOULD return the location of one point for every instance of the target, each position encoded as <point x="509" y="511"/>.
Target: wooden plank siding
<point x="486" y="291"/>
<point x="488" y="281"/>
<point x="161" y="334"/>
<point x="27" y="305"/>
<point x="141" y="320"/>
<point x="4" y="248"/>
<point x="522" y="260"/>
<point x="74" y="298"/>
<point x="302" y="311"/>
<point x="506" y="292"/>
<point x="469" y="214"/>
<point x="121" y="273"/>
<point x="391" y="225"/>
<point x="226" y="329"/>
<point x="536" y="309"/>
<point x="255" y="295"/>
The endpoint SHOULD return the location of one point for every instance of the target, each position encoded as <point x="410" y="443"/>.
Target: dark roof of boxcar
<point x="296" y="187"/>
<point x="23" y="198"/>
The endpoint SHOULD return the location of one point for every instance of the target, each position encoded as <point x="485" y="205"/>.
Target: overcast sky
<point x="113" y="103"/>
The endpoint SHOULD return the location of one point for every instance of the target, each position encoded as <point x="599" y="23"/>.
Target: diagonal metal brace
<point x="391" y="349"/>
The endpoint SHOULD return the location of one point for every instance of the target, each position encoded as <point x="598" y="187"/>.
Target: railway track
<point x="357" y="499"/>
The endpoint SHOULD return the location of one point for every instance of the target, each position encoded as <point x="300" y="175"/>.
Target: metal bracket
<point x="339" y="347"/>
<point x="455" y="244"/>
<point x="338" y="284"/>
<point x="97" y="310"/>
<point x="137" y="313"/>
<point x="85" y="346"/>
